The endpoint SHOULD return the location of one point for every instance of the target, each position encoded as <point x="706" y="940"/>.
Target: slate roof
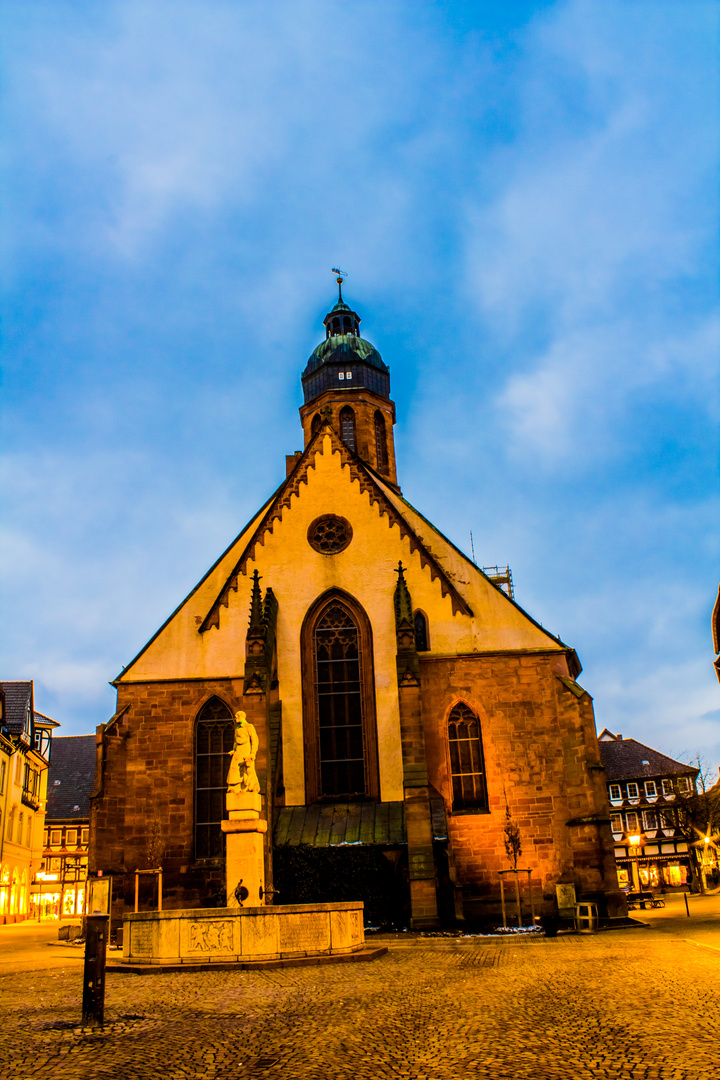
<point x="327" y="824"/>
<point x="73" y="764"/>
<point x="18" y="702"/>
<point x="624" y="760"/>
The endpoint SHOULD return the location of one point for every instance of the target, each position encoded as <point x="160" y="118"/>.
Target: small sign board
<point x="99" y="898"/>
<point x="565" y="897"/>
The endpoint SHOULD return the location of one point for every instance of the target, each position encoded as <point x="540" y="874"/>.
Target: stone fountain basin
<point x="207" y="935"/>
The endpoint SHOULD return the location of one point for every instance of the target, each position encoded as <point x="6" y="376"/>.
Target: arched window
<point x="347" y="325"/>
<point x="316" y="422"/>
<point x="422" y="638"/>
<point x="213" y="743"/>
<point x="338" y="701"/>
<point x="467" y="766"/>
<point x="381" y="453"/>
<point x="336" y="326"/>
<point x="347" y="426"/>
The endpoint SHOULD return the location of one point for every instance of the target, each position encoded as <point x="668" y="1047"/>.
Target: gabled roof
<point x="370" y="483"/>
<point x="71" y="777"/>
<point x="18" y="706"/>
<point x="626" y="759"/>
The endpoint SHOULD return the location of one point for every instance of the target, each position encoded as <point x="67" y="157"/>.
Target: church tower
<point x="347" y="381"/>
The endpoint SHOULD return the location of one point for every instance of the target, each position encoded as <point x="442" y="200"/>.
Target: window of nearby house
<point x="667" y="787"/>
<point x="55" y="835"/>
<point x="55" y="864"/>
<point x="683" y="784"/>
<point x="422" y="638"/>
<point x="347" y="426"/>
<point x="21" y="819"/>
<point x="338" y="701"/>
<point x="213" y="744"/>
<point x="71" y="838"/>
<point x="632" y="822"/>
<point x="85" y="837"/>
<point x="2" y="777"/>
<point x="667" y="819"/>
<point x="11" y="824"/>
<point x="616" y="822"/>
<point x="28" y="837"/>
<point x="45" y="838"/>
<point x="632" y="791"/>
<point x="467" y="766"/>
<point x="650" y="788"/>
<point x="615" y="793"/>
<point x="649" y="819"/>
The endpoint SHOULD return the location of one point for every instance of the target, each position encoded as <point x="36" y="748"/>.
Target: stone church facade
<point x="401" y="699"/>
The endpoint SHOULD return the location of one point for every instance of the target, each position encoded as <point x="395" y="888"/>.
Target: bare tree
<point x="698" y="818"/>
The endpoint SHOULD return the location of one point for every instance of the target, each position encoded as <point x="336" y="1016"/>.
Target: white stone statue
<point x="241" y="775"/>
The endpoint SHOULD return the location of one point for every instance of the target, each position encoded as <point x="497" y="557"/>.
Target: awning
<point x="329" y="824"/>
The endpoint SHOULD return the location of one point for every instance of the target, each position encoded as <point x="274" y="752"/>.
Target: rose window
<point x="329" y="534"/>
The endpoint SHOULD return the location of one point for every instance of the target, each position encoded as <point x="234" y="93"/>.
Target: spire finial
<point x="255" y="605"/>
<point x="340" y="275"/>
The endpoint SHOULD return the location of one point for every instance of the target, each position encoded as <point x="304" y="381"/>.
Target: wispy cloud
<point x="524" y="196"/>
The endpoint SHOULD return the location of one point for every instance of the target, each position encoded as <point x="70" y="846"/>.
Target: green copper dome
<point x="344" y="361"/>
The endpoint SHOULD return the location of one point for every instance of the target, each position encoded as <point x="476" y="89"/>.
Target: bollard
<point x="93" y="1006"/>
<point x="686" y="905"/>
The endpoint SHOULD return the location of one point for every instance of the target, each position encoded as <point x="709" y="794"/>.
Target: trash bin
<point x="586" y="918"/>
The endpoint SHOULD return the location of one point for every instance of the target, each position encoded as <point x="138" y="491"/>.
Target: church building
<point x="403" y="701"/>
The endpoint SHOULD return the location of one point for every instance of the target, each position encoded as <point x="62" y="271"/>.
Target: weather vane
<point x="340" y="275"/>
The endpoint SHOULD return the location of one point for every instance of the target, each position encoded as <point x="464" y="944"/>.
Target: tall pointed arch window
<point x="422" y="638"/>
<point x="381" y="454"/>
<point x="213" y="743"/>
<point x="338" y="702"/>
<point x="316" y="422"/>
<point x="467" y="765"/>
<point x="347" y="426"/>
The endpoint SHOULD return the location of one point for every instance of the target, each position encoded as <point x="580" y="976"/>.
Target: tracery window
<point x="381" y="454"/>
<point x="338" y="702"/>
<point x="329" y="534"/>
<point x="422" y="638"/>
<point x="213" y="743"/>
<point x="347" y="426"/>
<point x="467" y="766"/>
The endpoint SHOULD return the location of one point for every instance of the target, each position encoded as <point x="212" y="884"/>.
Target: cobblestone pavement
<point x="633" y="1003"/>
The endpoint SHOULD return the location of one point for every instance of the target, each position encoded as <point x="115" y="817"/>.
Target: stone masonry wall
<point x="148" y="783"/>
<point x="541" y="755"/>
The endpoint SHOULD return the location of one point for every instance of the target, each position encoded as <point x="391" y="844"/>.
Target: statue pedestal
<point x="244" y="849"/>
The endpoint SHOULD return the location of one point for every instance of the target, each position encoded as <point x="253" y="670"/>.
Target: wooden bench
<point x="643" y="899"/>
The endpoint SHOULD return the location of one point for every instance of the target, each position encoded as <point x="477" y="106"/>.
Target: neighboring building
<point x="644" y="789"/>
<point x="25" y="739"/>
<point x="60" y="884"/>
<point x="404" y="702"/>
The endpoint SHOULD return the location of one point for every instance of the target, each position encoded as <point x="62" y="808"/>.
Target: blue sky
<point x="524" y="196"/>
